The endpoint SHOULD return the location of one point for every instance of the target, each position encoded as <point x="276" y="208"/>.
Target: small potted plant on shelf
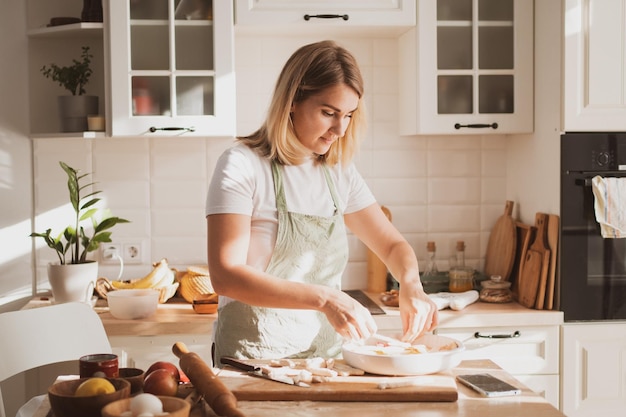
<point x="74" y="108"/>
<point x="74" y="276"/>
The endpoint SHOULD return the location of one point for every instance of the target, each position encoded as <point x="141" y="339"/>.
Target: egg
<point x="145" y="404"/>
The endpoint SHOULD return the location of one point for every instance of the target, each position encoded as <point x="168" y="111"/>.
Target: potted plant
<point x="73" y="277"/>
<point x="74" y="108"/>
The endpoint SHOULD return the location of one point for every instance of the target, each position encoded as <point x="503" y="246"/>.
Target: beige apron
<point x="309" y="249"/>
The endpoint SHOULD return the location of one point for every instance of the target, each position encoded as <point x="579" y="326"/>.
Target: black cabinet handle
<point x="516" y="333"/>
<point x="308" y="17"/>
<point x="477" y="125"/>
<point x="173" y="129"/>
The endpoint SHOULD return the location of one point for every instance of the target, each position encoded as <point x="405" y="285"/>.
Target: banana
<point x="168" y="279"/>
<point x="159" y="273"/>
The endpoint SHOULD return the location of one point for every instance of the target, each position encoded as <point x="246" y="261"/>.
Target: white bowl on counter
<point x="133" y="304"/>
<point x="428" y="354"/>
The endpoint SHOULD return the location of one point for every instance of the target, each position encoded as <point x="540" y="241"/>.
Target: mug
<point x="99" y="364"/>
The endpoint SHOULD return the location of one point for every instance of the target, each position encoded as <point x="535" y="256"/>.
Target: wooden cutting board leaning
<point x="500" y="254"/>
<point x="525" y="235"/>
<point x="553" y="243"/>
<point x="535" y="267"/>
<point x="376" y="269"/>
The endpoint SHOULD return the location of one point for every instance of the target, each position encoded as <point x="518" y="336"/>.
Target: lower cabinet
<point x="529" y="353"/>
<point x="143" y="351"/>
<point x="593" y="378"/>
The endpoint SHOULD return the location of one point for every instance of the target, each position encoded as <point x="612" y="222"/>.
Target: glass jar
<point x="495" y="290"/>
<point x="461" y="279"/>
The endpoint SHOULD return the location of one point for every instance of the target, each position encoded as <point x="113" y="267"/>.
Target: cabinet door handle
<point x="516" y="333"/>
<point x="477" y="125"/>
<point x="170" y="129"/>
<point x="308" y="17"/>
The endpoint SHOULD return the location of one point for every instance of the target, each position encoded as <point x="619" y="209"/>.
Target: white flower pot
<point x="74" y="282"/>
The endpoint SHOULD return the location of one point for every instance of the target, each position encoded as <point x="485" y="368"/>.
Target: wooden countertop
<point x="469" y="404"/>
<point x="178" y="317"/>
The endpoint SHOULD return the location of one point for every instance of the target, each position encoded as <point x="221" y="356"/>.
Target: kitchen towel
<point x="610" y="205"/>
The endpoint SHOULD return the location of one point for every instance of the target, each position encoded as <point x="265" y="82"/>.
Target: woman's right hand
<point x="348" y="317"/>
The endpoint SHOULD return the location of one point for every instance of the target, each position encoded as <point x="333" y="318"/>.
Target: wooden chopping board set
<point x="425" y="388"/>
<point x="526" y="256"/>
<point x="536" y="259"/>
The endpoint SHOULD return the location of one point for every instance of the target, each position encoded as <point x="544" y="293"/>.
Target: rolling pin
<point x="214" y="392"/>
<point x="376" y="269"/>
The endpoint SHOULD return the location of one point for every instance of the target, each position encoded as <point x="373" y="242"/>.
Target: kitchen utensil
<point x="215" y="393"/>
<point x="535" y="265"/>
<point x="64" y="403"/>
<point x="135" y="376"/>
<point x="257" y="371"/>
<point x="500" y="254"/>
<point x="525" y="235"/>
<point x="376" y="269"/>
<point x="441" y="353"/>
<point x="545" y="270"/>
<point x="553" y="244"/>
<point x="133" y="304"/>
<point x="174" y="407"/>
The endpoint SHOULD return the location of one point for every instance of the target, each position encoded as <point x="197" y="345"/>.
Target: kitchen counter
<point x="469" y="404"/>
<point x="178" y="317"/>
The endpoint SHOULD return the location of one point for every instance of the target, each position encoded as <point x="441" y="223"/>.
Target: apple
<point x="161" y="382"/>
<point x="170" y="367"/>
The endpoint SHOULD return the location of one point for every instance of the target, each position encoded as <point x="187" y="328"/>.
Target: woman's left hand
<point x="418" y="312"/>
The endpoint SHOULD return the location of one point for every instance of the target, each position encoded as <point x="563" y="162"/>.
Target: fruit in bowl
<point x="65" y="402"/>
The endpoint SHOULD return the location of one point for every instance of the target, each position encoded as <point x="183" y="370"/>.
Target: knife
<point x="258" y="372"/>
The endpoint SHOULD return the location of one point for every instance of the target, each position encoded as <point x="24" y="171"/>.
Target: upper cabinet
<point x="374" y="16"/>
<point x="594" y="80"/>
<point x="467" y="68"/>
<point x="171" y="67"/>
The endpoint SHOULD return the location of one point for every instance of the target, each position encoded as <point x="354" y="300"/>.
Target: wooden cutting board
<point x="500" y="254"/>
<point x="525" y="235"/>
<point x="437" y="387"/>
<point x="376" y="269"/>
<point x="535" y="266"/>
<point x="553" y="244"/>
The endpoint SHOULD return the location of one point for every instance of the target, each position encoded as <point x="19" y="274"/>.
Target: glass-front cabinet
<point x="171" y="67"/>
<point x="474" y="66"/>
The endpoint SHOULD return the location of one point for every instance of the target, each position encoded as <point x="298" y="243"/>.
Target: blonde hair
<point x="310" y="70"/>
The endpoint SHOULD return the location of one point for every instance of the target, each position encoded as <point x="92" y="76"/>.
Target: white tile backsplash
<point x="440" y="188"/>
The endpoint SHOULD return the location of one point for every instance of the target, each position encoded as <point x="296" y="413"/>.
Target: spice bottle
<point x="460" y="254"/>
<point x="432" y="263"/>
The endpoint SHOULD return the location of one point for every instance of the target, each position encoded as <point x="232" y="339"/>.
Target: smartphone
<point x="488" y="385"/>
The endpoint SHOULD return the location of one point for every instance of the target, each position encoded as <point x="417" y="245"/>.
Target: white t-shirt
<point x="242" y="183"/>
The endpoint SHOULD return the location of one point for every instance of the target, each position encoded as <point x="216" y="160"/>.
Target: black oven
<point x="592" y="284"/>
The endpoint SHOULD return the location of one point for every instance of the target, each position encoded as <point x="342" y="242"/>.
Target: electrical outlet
<point x="110" y="253"/>
<point x="132" y="253"/>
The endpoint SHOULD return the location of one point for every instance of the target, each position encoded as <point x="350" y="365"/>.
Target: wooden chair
<point x="47" y="335"/>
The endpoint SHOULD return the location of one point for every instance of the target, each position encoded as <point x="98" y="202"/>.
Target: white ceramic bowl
<point x="378" y="358"/>
<point x="133" y="304"/>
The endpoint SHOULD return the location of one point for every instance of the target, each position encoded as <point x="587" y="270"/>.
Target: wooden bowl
<point x="135" y="377"/>
<point x="176" y="407"/>
<point x="65" y="404"/>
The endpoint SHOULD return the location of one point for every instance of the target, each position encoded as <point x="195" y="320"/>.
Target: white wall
<point x="15" y="155"/>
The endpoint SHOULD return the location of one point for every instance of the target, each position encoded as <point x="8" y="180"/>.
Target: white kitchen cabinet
<point x="594" y="82"/>
<point x="171" y="68"/>
<point x="530" y="353"/>
<point x="593" y="376"/>
<point x="303" y="15"/>
<point x="467" y="68"/>
<point x="59" y="45"/>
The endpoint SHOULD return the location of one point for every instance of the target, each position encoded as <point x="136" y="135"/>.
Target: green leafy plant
<point x="73" y="78"/>
<point x="74" y="239"/>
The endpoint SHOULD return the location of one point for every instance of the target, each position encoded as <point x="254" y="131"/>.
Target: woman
<point x="276" y="209"/>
